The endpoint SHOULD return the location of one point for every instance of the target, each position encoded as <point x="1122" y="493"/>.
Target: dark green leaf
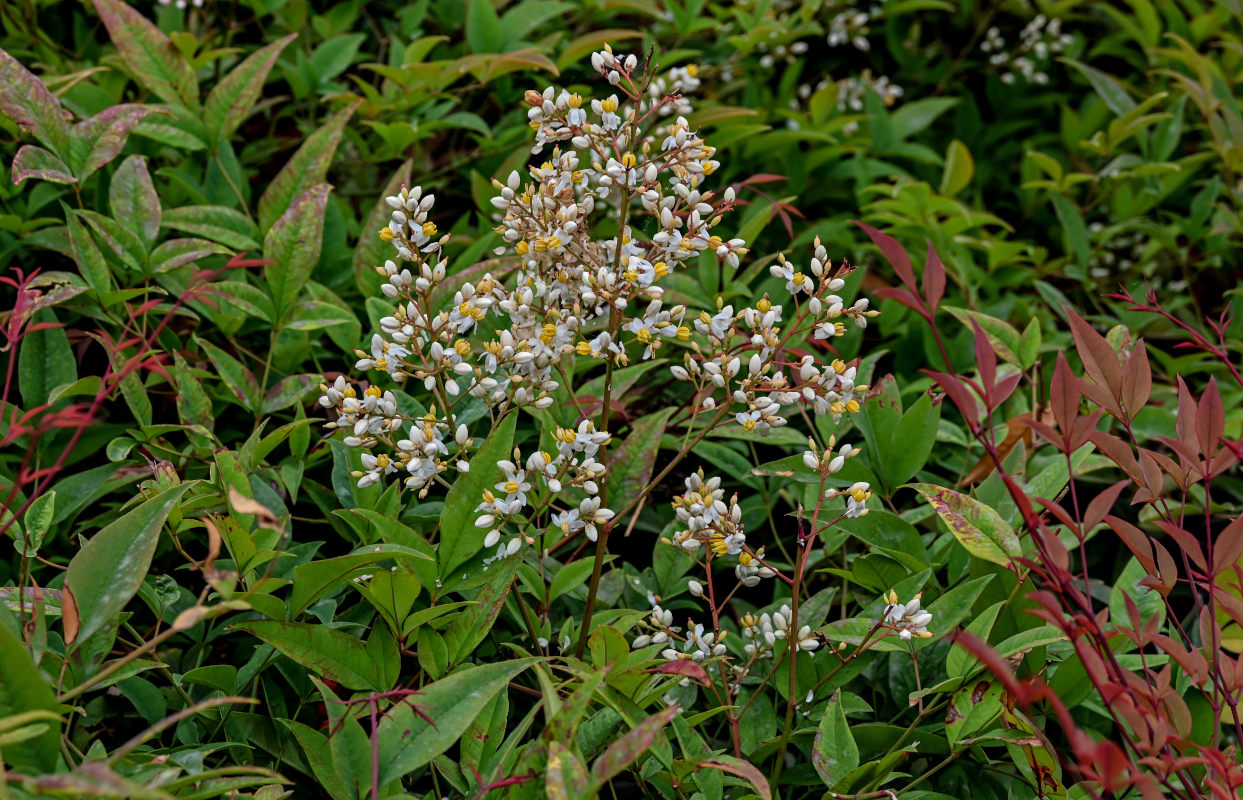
<point x="232" y="100"/>
<point x="459" y="538"/>
<point x="110" y="568"/>
<point x="155" y="62"/>
<point x="331" y="653"/>
<point x="305" y="169"/>
<point x="292" y="247"/>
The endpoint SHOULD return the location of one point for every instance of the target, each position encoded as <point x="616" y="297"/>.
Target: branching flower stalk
<point x="575" y="296"/>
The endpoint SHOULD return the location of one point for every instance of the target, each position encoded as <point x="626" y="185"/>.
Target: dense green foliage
<point x="200" y="600"/>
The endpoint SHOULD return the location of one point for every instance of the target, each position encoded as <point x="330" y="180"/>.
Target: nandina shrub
<point x="1144" y="697"/>
<point x="771" y="606"/>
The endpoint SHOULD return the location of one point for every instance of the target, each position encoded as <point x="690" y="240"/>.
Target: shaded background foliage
<point x="1120" y="166"/>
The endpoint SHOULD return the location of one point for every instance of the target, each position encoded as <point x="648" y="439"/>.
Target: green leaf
<point x="123" y="242"/>
<point x="193" y="404"/>
<point x="834" y="753"/>
<point x="98" y="140"/>
<point x="154" y="61"/>
<point x="630" y="465"/>
<point x="912" y="441"/>
<point x="330" y="653"/>
<point x="176" y="253"/>
<point x="626" y="750"/>
<point x="459" y="538"/>
<point x="234" y="375"/>
<point x="232" y="100"/>
<point x="305" y="169"/>
<point x="888" y="531"/>
<point x="220" y="224"/>
<point x="915" y="116"/>
<point x="1003" y="336"/>
<point x="371" y="250"/>
<point x="25" y="99"/>
<point x="133" y="200"/>
<point x="44" y="361"/>
<point x="287" y="392"/>
<point x="319" y="756"/>
<point x="313" y="580"/>
<point x="959" y="168"/>
<point x="1029" y="344"/>
<point x="292" y="247"/>
<point x="334" y="56"/>
<point x="1147" y="600"/>
<point x="484" y="33"/>
<point x="565" y="776"/>
<point x="110" y="568"/>
<point x="452" y="703"/>
<point x="35" y="162"/>
<point x="953" y="607"/>
<point x="571" y="576"/>
<point x="1107" y="86"/>
<point x="23" y="690"/>
<point x="979" y="528"/>
<point x="1074" y="228"/>
<point x="959" y="663"/>
<point x="37" y="520"/>
<point x="176" y="127"/>
<point x="472" y="625"/>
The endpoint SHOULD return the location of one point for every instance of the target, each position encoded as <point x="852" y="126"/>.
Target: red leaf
<point x="908" y="299"/>
<point x="893" y="253"/>
<point x="986" y="363"/>
<point x="1100" y="360"/>
<point x="1101" y="504"/>
<point x="685" y="668"/>
<point x="1064" y="395"/>
<point x="743" y="769"/>
<point x="1136" y="380"/>
<point x="1136" y="541"/>
<point x="1186" y="421"/>
<point x="958" y="393"/>
<point x="1228" y="548"/>
<point x="1210" y="419"/>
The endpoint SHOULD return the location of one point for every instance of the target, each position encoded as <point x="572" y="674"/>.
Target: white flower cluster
<point x="481" y="344"/>
<point x="675" y="84"/>
<point x="851" y="93"/>
<point x="763" y="632"/>
<point x="857" y="496"/>
<point x="908" y="619"/>
<point x="830" y="461"/>
<point x="574" y="466"/>
<point x="1039" y="42"/>
<point x="850" y="24"/>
